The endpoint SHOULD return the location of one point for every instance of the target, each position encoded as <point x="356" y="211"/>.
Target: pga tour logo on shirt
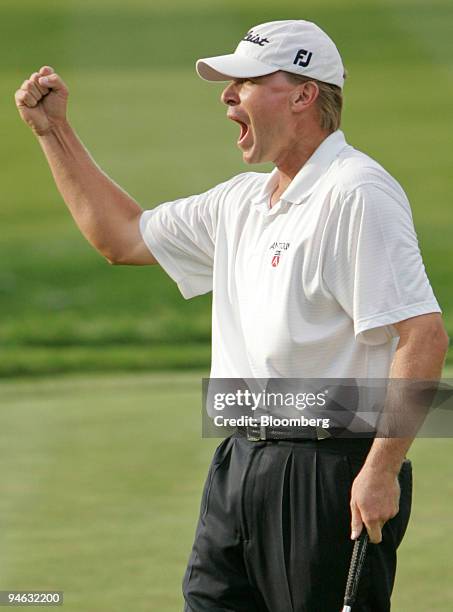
<point x="278" y="248"/>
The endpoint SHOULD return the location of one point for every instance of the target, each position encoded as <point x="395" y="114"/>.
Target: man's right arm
<point x="105" y="214"/>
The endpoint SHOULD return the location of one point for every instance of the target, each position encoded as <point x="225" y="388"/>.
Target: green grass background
<point x="161" y="133"/>
<point x="97" y="496"/>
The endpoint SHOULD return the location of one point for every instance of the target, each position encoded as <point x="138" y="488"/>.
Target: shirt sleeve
<point x="181" y="236"/>
<point x="374" y="268"/>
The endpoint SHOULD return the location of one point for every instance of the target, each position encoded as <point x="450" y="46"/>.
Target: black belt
<point x="256" y="433"/>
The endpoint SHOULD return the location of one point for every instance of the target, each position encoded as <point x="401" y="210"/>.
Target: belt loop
<point x="263" y="433"/>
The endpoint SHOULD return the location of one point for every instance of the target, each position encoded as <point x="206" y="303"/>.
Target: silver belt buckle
<point x="322" y="434"/>
<point x="262" y="435"/>
<point x="252" y="437"/>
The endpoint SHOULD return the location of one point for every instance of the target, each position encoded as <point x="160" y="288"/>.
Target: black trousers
<point x="274" y="530"/>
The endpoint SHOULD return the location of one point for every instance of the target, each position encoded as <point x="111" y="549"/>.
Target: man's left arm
<point x="420" y="355"/>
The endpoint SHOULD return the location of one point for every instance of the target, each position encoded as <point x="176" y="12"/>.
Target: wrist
<point x="379" y="467"/>
<point x="53" y="129"/>
<point x="386" y="456"/>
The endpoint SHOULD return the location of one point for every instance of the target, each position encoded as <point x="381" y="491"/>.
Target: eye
<point x="242" y="81"/>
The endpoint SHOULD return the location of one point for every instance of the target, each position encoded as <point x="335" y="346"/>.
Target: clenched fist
<point x="42" y="100"/>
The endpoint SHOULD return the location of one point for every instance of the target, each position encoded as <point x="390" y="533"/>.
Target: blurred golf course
<point x="98" y="495"/>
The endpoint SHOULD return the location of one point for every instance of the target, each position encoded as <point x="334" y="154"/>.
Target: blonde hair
<point x="329" y="101"/>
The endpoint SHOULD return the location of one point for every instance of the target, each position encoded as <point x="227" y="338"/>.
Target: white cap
<point x="294" y="46"/>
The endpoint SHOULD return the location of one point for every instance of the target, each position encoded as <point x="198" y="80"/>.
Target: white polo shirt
<point x="308" y="288"/>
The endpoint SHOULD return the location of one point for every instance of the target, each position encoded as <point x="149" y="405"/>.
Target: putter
<point x="355" y="569"/>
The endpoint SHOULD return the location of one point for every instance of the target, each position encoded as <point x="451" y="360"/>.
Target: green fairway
<point x="100" y="494"/>
<point x="161" y="133"/>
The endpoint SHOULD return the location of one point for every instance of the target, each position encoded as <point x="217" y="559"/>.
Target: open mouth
<point x="245" y="128"/>
<point x="244" y="131"/>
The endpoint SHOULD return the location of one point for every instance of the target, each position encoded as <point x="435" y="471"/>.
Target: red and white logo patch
<point x="278" y="248"/>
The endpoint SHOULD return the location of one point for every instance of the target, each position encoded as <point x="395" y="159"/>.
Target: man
<point x="315" y="272"/>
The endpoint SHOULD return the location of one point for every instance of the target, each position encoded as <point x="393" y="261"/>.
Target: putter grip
<point x="355" y="568"/>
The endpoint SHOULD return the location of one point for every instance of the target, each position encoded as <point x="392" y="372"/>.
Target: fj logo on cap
<point x="303" y="58"/>
<point x="255" y="39"/>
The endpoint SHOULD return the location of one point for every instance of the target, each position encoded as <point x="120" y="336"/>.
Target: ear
<point x="304" y="96"/>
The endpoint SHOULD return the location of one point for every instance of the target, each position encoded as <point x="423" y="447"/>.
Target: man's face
<point x="261" y="106"/>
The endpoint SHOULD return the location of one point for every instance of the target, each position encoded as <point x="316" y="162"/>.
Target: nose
<point x="230" y="95"/>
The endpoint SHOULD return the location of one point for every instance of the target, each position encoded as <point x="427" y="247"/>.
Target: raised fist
<point x="42" y="100"/>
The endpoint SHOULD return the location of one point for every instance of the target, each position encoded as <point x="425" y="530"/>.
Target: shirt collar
<point x="307" y="177"/>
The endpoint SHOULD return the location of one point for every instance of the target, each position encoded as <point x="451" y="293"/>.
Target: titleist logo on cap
<point x="255" y="38"/>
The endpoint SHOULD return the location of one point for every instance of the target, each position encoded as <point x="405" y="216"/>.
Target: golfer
<point x="316" y="273"/>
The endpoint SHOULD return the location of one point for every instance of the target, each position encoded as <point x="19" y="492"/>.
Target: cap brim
<point x="233" y="66"/>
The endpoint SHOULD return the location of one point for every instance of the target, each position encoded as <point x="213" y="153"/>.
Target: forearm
<point x="417" y="358"/>
<point x="100" y="208"/>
